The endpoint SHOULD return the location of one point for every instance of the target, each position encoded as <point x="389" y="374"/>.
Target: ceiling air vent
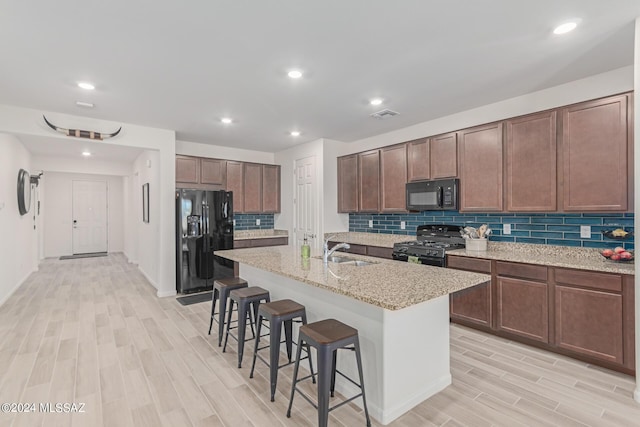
<point x="383" y="114"/>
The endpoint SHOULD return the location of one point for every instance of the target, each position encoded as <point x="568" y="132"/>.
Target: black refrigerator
<point x="204" y="223"/>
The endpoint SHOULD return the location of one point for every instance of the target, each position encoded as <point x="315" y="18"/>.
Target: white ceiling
<point x="183" y="65"/>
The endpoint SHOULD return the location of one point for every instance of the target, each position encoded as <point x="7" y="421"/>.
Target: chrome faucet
<point x="326" y="252"/>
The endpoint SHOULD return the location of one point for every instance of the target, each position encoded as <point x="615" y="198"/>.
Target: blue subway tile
<point x="502" y="239"/>
<point x="528" y="227"/>
<point x="583" y="221"/>
<point x="543" y="220"/>
<point x="517" y="220"/>
<point x="619" y="221"/>
<point x="573" y="228"/>
<point x="547" y="234"/>
<point x="529" y="240"/>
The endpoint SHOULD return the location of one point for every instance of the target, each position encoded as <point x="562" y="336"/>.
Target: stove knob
<point x="403" y="249"/>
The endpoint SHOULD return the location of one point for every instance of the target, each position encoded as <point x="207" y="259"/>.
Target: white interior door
<point x="89" y="220"/>
<point x="305" y="200"/>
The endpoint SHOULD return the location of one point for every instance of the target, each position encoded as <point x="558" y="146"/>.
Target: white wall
<point x="18" y="239"/>
<point x="24" y="121"/>
<point x="218" y="152"/>
<point x="57" y="212"/>
<point x="80" y="165"/>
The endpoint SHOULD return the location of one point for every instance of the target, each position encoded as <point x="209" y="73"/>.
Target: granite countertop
<point x="548" y="255"/>
<point x="259" y="234"/>
<point x="369" y="239"/>
<point x="388" y="284"/>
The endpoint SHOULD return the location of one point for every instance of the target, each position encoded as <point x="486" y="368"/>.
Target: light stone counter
<point x="388" y="284"/>
<point x="259" y="234"/>
<point x="369" y="239"/>
<point x="548" y="255"/>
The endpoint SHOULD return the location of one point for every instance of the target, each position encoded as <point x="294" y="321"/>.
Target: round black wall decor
<point x="24" y="191"/>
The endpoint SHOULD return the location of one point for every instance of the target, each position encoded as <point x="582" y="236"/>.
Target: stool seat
<point x="281" y="307"/>
<point x="251" y="292"/>
<point x="221" y="290"/>
<point x="328" y="331"/>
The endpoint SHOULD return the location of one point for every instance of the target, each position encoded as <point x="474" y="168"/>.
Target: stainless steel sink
<point x="359" y="263"/>
<point x="340" y="259"/>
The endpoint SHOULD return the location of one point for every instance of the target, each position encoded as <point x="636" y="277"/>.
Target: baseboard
<point x="163" y="294"/>
<point x="15" y="288"/>
<point x="636" y="394"/>
<point x="146" y="276"/>
<point x="129" y="259"/>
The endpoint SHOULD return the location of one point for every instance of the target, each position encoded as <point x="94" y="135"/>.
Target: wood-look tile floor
<point x="92" y="331"/>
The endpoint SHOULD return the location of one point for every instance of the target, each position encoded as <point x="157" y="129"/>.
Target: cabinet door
<point x="213" y="171"/>
<point x="270" y="188"/>
<point x="393" y="178"/>
<point x="480" y="160"/>
<point x="252" y="188"/>
<point x="418" y="160"/>
<point x="590" y="322"/>
<point x="523" y="308"/>
<point x="187" y="169"/>
<point x="594" y="149"/>
<point x="472" y="305"/>
<point x="235" y="183"/>
<point x="348" y="183"/>
<point x="444" y="156"/>
<point x="531" y="163"/>
<point x="369" y="181"/>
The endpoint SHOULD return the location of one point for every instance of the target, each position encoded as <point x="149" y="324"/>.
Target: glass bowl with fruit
<point x="618" y="254"/>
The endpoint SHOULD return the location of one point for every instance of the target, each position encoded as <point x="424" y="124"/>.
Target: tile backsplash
<point x="248" y="221"/>
<point x="550" y="229"/>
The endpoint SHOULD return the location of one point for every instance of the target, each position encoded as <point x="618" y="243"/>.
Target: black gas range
<point x="431" y="245"/>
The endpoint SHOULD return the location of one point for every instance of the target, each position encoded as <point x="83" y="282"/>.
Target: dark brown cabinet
<point x="393" y="178"/>
<point x="369" y="181"/>
<point x="375" y="251"/>
<point x="530" y="149"/>
<point x="418" y="164"/>
<point x="252" y="188"/>
<point x="474" y="305"/>
<point x="522" y="299"/>
<point x="480" y="161"/>
<point x="213" y="171"/>
<point x="187" y="170"/>
<point x="235" y="184"/>
<point x="595" y="150"/>
<point x="444" y="156"/>
<point x="260" y="242"/>
<point x="270" y="188"/>
<point x="348" y="183"/>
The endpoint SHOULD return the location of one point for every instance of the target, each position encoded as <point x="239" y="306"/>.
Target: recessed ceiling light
<point x="86" y="86"/>
<point x="295" y="74"/>
<point x="226" y="120"/>
<point x="84" y="104"/>
<point x="375" y="101"/>
<point x="565" y="28"/>
<point x="86" y="153"/>
<point x="295" y="133"/>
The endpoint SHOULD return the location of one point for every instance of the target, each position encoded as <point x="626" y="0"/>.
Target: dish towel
<point x="413" y="260"/>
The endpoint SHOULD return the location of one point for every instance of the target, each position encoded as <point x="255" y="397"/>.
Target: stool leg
<point x="295" y="375"/>
<point x="214" y="296"/>
<point x="313" y="377"/>
<point x="274" y="354"/>
<point x="288" y="337"/>
<point x="324" y="384"/>
<point x="226" y="336"/>
<point x="243" y="311"/>
<point x="364" y="398"/>
<point x="333" y="372"/>
<point x="255" y="348"/>
<point x="221" y="312"/>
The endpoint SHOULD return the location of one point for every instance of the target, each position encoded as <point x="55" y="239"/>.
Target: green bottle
<point x="306" y="249"/>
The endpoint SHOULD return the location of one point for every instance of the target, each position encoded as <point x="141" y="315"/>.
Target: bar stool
<point x="278" y="313"/>
<point x="328" y="336"/>
<point x="221" y="289"/>
<point x="245" y="298"/>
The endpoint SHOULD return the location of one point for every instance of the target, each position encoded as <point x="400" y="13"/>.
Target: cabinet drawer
<point x="471" y="264"/>
<point x="239" y="244"/>
<point x="271" y="241"/>
<point x="589" y="279"/>
<point x="526" y="271"/>
<point x="380" y="252"/>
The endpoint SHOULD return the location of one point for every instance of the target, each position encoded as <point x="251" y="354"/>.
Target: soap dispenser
<point x="306" y="249"/>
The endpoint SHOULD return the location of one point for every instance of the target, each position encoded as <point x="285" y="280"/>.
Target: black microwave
<point x="432" y="195"/>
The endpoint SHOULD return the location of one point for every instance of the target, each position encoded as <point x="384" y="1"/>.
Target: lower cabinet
<point x="583" y="314"/>
<point x="256" y="243"/>
<point x="375" y="251"/>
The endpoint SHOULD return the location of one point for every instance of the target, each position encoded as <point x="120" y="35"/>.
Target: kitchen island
<point x="401" y="311"/>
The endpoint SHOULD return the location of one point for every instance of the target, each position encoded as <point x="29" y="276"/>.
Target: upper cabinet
<point x="270" y="188"/>
<point x="252" y="188"/>
<point x="187" y="170"/>
<point x="235" y="184"/>
<point x="393" y="178"/>
<point x="213" y="171"/>
<point x="444" y="156"/>
<point x="595" y="149"/>
<point x="369" y="181"/>
<point x="530" y="150"/>
<point x="348" y="183"/>
<point x="418" y="164"/>
<point x="480" y="161"/>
